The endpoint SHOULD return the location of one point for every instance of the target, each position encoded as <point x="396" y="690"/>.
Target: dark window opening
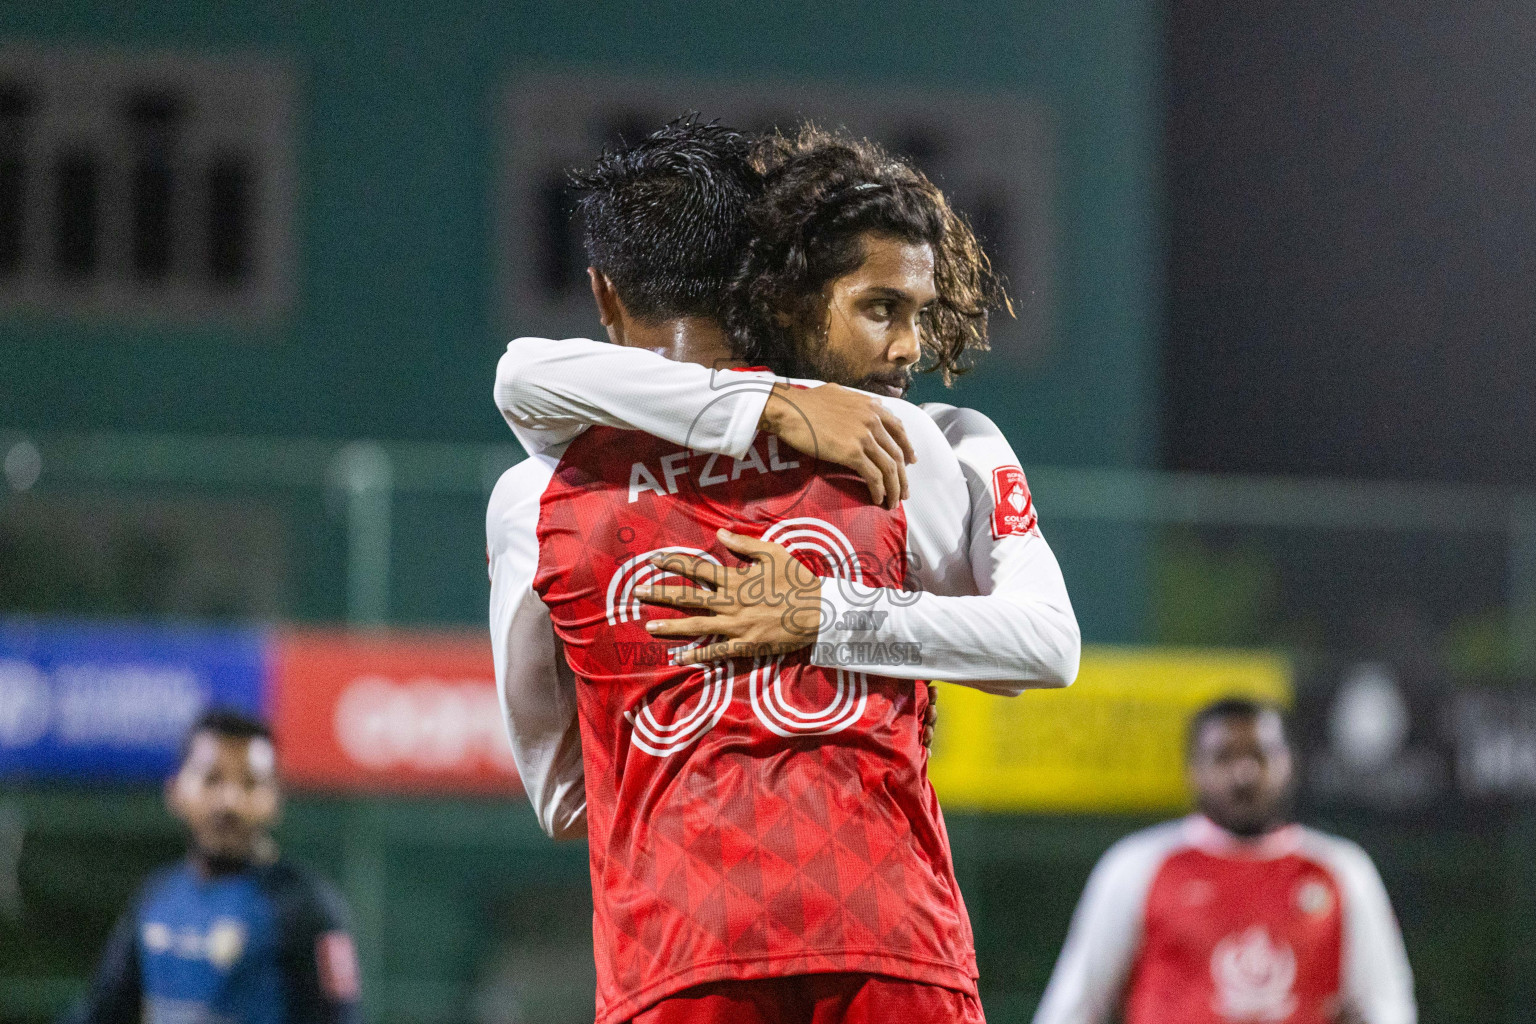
<point x="988" y="215"/>
<point x="153" y="189"/>
<point x="15" y="101"/>
<point x="13" y="222"/>
<point x="231" y="218"/>
<point x="15" y="107"/>
<point x="155" y="120"/>
<point x="562" y="259"/>
<point x="144" y="186"/>
<point x="77" y="218"/>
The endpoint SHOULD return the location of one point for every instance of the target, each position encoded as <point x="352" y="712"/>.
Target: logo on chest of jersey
<point x="1198" y="892"/>
<point x="775" y="709"/>
<point x="687" y="468"/>
<point x="221" y="945"/>
<point x="1254" y="977"/>
<point x="1313" y="898"/>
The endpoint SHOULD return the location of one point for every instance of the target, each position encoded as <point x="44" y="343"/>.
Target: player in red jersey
<point x="551" y="390"/>
<point x="759" y="820"/>
<point x="848" y="289"/>
<point x="1233" y="914"/>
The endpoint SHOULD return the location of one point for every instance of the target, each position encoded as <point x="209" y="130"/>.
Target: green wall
<point x="393" y="332"/>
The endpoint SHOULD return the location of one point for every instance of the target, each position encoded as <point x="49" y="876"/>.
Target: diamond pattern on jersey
<point x="781" y="821"/>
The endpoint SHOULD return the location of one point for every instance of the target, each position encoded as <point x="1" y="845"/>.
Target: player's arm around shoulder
<point x="550" y="391"/>
<point x="735" y="606"/>
<point x="846" y="427"/>
<point x="946" y="624"/>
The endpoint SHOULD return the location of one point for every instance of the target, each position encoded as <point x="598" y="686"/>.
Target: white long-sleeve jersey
<point x="1184" y="924"/>
<point x="1013" y="629"/>
<point x="993" y="611"/>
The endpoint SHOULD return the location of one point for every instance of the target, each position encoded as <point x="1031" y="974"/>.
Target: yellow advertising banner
<point x="1112" y="741"/>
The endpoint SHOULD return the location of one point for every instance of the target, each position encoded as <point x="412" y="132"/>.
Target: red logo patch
<point x="1013" y="510"/>
<point x="337" y="960"/>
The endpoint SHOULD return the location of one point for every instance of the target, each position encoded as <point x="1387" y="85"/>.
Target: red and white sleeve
<point x="1088" y="984"/>
<point x="1377" y="983"/>
<point x="1001" y="621"/>
<point x="536" y="688"/>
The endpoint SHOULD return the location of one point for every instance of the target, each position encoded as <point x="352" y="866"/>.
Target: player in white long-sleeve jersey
<point x="1234" y="914"/>
<point x="1015" y="629"/>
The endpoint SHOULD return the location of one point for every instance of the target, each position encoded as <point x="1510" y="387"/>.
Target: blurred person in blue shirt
<point x="233" y="934"/>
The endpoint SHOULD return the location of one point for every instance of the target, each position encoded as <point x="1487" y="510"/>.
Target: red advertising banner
<point x="395" y="712"/>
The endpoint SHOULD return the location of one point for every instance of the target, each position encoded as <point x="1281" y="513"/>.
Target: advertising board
<point x="1111" y="742"/>
<point x="390" y="712"/>
<point x="111" y="702"/>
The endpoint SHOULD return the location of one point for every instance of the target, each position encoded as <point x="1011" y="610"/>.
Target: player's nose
<point x="1245" y="773"/>
<point x="906" y="348"/>
<point x="226" y="796"/>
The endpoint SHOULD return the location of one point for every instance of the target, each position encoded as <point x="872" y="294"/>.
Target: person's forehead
<point x="893" y="262"/>
<point x="1265" y="728"/>
<point x="252" y="752"/>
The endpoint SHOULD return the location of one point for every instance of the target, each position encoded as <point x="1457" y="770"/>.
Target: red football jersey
<point x="747" y="819"/>
<point x="1208" y="954"/>
<point x="1186" y="924"/>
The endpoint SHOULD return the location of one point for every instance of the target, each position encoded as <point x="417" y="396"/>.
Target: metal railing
<point x="367" y="484"/>
<point x="364" y="478"/>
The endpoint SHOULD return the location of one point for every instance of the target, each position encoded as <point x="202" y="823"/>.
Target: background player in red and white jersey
<point x="914" y="943"/>
<point x="1234" y="914"/>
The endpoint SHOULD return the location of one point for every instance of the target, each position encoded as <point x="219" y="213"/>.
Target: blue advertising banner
<point x="105" y="702"/>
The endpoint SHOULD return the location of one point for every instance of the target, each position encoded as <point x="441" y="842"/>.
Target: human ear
<point x="610" y="310"/>
<point x="602" y="293"/>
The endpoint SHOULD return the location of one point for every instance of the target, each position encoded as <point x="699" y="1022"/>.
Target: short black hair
<point x="1229" y="707"/>
<point x="665" y="219"/>
<point x="225" y="723"/>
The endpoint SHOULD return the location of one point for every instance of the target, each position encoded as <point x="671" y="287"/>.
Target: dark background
<point x="1350" y="217"/>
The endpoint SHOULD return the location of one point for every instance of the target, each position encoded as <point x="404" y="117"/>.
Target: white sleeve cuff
<point x="856" y="631"/>
<point x="998" y="642"/>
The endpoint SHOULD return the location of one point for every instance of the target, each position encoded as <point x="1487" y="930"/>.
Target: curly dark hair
<point x="823" y="192"/>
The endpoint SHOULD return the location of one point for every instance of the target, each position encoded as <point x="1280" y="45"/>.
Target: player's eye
<point x="881" y="309"/>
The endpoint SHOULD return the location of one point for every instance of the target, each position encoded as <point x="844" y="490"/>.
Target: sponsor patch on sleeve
<point x="1013" y="510"/>
<point x="336" y="958"/>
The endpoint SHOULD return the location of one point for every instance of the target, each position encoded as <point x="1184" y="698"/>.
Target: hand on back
<point x="846" y="427"/>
